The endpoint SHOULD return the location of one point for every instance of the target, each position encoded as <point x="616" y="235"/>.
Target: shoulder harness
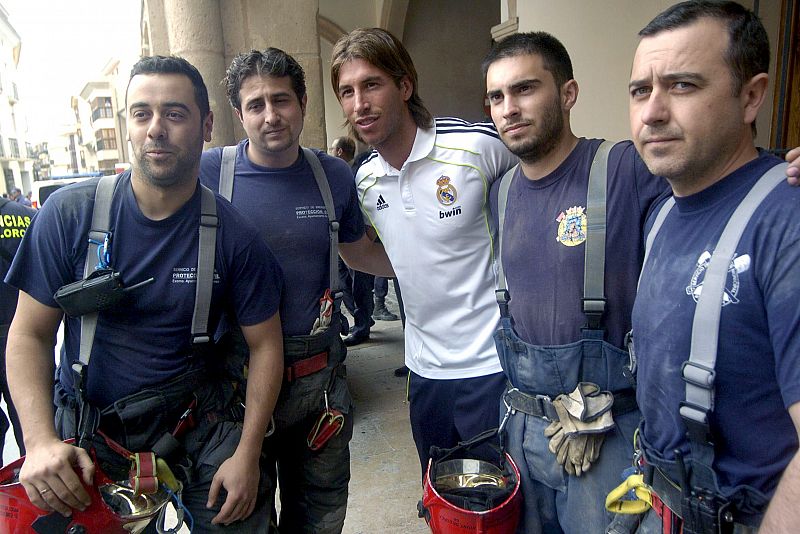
<point x="227" y="176"/>
<point x="594" y="300"/>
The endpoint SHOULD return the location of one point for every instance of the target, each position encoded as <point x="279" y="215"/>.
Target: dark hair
<point x="748" y="49"/>
<point x="385" y="51"/>
<point x="174" y="65"/>
<point x="347" y="145"/>
<point x="554" y="55"/>
<point x="270" y="62"/>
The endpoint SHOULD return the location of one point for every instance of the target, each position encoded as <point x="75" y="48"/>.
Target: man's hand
<point x="783" y="513"/>
<point x="49" y="478"/>
<point x="793" y="172"/>
<point x="240" y="478"/>
<point x="239" y="474"/>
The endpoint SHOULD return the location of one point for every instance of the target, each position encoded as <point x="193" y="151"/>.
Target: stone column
<point x="155" y="38"/>
<point x="194" y="32"/>
<point x="292" y="27"/>
<point x="209" y="33"/>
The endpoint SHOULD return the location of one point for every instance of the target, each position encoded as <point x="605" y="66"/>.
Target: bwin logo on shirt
<point x="381" y="204"/>
<point x="450" y="213"/>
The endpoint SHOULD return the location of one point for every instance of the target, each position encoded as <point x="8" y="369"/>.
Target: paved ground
<point x="385" y="485"/>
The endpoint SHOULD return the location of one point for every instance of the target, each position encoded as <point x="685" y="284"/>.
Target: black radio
<point x="99" y="291"/>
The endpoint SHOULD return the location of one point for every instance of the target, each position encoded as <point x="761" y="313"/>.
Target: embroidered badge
<point x="730" y="296"/>
<point x="572" y="226"/>
<point x="446" y="193"/>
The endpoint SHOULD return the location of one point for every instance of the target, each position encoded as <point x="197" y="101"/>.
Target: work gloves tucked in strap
<point x="322" y="322"/>
<point x="584" y="416"/>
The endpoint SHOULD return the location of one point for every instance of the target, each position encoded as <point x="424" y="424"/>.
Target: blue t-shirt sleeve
<point x="53" y="251"/>
<point x="210" y="162"/>
<point x="780" y="243"/>
<point x="343" y="188"/>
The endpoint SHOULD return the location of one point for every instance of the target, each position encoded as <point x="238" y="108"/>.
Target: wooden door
<point x="786" y="109"/>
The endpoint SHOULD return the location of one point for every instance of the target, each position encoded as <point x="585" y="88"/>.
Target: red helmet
<point x="471" y="496"/>
<point x="115" y="508"/>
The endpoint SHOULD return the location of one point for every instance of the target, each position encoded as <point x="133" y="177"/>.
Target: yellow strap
<point x="644" y="499"/>
<point x="166" y="476"/>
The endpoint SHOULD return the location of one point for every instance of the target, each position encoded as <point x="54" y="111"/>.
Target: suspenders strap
<point x="333" y="224"/>
<point x="594" y="301"/>
<point x="227" y="173"/>
<point x="98" y="232"/>
<point x="502" y="199"/>
<point x="698" y="370"/>
<point x="206" y="252"/>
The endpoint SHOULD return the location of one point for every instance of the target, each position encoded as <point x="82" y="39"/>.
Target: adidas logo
<point x="381" y="204"/>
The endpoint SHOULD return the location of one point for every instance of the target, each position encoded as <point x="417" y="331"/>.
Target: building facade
<point x="100" y="121"/>
<point x="15" y="158"/>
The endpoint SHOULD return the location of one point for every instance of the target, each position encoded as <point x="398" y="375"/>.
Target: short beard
<point x="184" y="170"/>
<point x="551" y="127"/>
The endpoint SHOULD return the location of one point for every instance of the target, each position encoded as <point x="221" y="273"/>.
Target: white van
<point x="44" y="188"/>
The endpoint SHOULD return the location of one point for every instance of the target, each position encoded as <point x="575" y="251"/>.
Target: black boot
<point x="382" y="313"/>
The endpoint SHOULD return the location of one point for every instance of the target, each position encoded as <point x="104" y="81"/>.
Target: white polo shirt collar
<point x="424" y="141"/>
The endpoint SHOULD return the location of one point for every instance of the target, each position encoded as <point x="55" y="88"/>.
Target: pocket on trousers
<point x="339" y="395"/>
<point x="143" y="416"/>
<point x="301" y="398"/>
<point x="541" y="462"/>
<point x="220" y="444"/>
<point x="65" y="422"/>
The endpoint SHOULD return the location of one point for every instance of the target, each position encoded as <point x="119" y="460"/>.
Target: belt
<point x="665" y="490"/>
<point x="536" y="405"/>
<point x="667" y="503"/>
<point x="306" y="366"/>
<point x="542" y="405"/>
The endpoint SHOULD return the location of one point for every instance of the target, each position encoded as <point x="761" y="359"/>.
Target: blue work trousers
<point x="139" y="420"/>
<point x="313" y="485"/>
<point x="444" y="412"/>
<point x="555" y="502"/>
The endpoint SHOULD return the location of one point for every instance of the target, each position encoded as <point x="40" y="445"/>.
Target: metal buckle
<point x="696" y="420"/>
<point x="211" y="221"/>
<point x="698" y="375"/>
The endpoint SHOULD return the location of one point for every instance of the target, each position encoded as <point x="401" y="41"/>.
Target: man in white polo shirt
<point x="424" y="191"/>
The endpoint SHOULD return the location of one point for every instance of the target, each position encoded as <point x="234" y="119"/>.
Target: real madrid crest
<point x="572" y="226"/>
<point x="445" y="192"/>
